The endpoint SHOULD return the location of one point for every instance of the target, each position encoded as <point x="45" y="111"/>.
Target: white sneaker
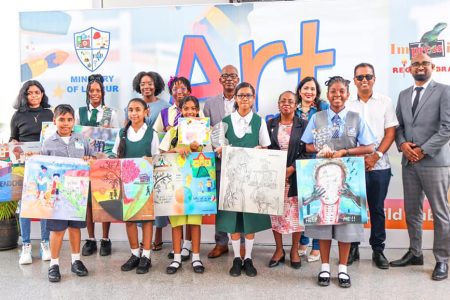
<point x="45" y="251"/>
<point x="25" y="256"/>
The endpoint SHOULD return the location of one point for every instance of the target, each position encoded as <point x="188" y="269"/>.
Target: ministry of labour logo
<point x="91" y="46"/>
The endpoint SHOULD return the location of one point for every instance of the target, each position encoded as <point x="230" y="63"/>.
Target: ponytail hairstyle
<point x="122" y="144"/>
<point x="241" y="86"/>
<point x="175" y="79"/>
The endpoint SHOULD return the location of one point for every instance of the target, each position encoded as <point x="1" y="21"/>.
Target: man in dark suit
<point x="423" y="136"/>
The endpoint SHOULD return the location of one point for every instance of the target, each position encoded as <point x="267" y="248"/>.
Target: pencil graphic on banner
<point x="35" y="67"/>
<point x="53" y="22"/>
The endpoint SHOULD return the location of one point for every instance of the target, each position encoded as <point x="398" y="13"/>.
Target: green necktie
<point x="93" y="118"/>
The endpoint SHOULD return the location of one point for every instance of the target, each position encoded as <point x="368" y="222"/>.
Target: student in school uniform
<point x="67" y="144"/>
<point x="134" y="141"/>
<point x="245" y="129"/>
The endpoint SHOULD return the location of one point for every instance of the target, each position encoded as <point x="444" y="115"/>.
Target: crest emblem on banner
<point x="91" y="46"/>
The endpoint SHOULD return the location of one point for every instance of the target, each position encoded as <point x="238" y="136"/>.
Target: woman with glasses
<point x="26" y="124"/>
<point x="96" y="114"/>
<point x="309" y="102"/>
<point x="284" y="132"/>
<point x="245" y="129"/>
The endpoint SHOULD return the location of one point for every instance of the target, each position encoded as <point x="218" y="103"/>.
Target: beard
<point x="421" y="77"/>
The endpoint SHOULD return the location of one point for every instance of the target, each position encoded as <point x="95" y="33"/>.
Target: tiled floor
<point x="106" y="281"/>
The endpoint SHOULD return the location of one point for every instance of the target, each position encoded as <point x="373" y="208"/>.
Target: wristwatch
<point x="379" y="153"/>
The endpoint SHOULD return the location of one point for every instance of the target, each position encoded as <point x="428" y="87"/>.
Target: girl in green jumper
<point x="245" y="129"/>
<point x="133" y="141"/>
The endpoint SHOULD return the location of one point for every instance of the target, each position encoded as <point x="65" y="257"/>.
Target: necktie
<point x="336" y="126"/>
<point x="416" y="99"/>
<point x="177" y="116"/>
<point x="93" y="118"/>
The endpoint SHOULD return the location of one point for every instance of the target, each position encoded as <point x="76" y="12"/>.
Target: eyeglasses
<point x="244" y="96"/>
<point x="228" y="76"/>
<point x="176" y="90"/>
<point x="95" y="77"/>
<point x="421" y="64"/>
<point x="367" y="76"/>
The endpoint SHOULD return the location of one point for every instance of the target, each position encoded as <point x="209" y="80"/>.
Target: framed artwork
<point x="122" y="189"/>
<point x="185" y="185"/>
<point x="252" y="180"/>
<point x="332" y="191"/>
<point x="18" y="152"/>
<point x="55" y="187"/>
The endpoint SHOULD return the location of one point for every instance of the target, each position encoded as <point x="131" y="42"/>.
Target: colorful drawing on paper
<point x="194" y="130"/>
<point x="11" y="181"/>
<point x="122" y="189"/>
<point x="185" y="186"/>
<point x="18" y="152"/>
<point x="252" y="180"/>
<point x="101" y="139"/>
<point x="332" y="191"/>
<point x="55" y="188"/>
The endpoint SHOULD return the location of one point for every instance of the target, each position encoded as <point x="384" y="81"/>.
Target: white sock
<point x="236" y="247"/>
<point x="75" y="256"/>
<point x="54" y="261"/>
<point x="187" y="244"/>
<point x="91" y="239"/>
<point x="196" y="258"/>
<point x="146" y="253"/>
<point x="325" y="268"/>
<point x="343" y="268"/>
<point x="135" y="252"/>
<point x="107" y="239"/>
<point x="248" y="248"/>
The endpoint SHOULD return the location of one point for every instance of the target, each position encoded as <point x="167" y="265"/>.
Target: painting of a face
<point x="330" y="179"/>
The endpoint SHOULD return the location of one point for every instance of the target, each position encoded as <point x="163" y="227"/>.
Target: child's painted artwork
<point x="332" y="191"/>
<point x="11" y="181"/>
<point x="101" y="139"/>
<point x="252" y="180"/>
<point x="122" y="189"/>
<point x="185" y="186"/>
<point x="18" y="152"/>
<point x="55" y="188"/>
<point x="194" y="130"/>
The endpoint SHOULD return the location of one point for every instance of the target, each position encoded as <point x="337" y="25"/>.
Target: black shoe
<point x="105" y="247"/>
<point x="324" y="281"/>
<point x="171" y="255"/>
<point x="274" y="263"/>
<point x="172" y="269"/>
<point x="89" y="248"/>
<point x="440" y="271"/>
<point x="79" y="268"/>
<point x="185" y="257"/>
<point x="344" y="282"/>
<point x="249" y="268"/>
<point x="198" y="268"/>
<point x="408" y="259"/>
<point x="353" y="255"/>
<point x="144" y="265"/>
<point x="237" y="267"/>
<point x="53" y="274"/>
<point x="380" y="260"/>
<point x="131" y="263"/>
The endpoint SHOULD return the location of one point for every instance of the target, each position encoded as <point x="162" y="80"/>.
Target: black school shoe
<point x="236" y="269"/>
<point x="144" y="265"/>
<point x="105" y="247"/>
<point x="89" y="248"/>
<point x="79" y="268"/>
<point x="53" y="274"/>
<point x="249" y="268"/>
<point x="131" y="263"/>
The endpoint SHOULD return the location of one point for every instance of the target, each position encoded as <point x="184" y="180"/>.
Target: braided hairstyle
<point x="98" y="78"/>
<point x="122" y="145"/>
<point x="334" y="79"/>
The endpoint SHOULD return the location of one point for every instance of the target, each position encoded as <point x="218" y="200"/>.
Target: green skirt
<point x="233" y="222"/>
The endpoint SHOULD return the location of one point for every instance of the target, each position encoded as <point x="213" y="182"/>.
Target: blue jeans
<point x="304" y="240"/>
<point x="25" y="229"/>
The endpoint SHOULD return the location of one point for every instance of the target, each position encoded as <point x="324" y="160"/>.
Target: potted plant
<point x="9" y="233"/>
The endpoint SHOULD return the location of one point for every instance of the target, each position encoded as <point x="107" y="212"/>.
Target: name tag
<point x="79" y="145"/>
<point x="351" y="131"/>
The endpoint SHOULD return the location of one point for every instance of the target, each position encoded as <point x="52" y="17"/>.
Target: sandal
<point x="198" y="268"/>
<point x="172" y="269"/>
<point x="185" y="257"/>
<point x="157" y="247"/>
<point x="324" y="281"/>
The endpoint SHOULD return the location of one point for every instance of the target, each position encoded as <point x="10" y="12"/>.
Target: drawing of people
<point x="209" y="185"/>
<point x="42" y="181"/>
<point x="56" y="185"/>
<point x="200" y="185"/>
<point x="237" y="173"/>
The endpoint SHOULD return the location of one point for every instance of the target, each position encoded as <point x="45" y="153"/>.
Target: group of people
<point x="365" y="124"/>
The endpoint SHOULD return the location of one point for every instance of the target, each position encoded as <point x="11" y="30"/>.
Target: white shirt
<point x="136" y="136"/>
<point x="115" y="122"/>
<point x="228" y="105"/>
<point x="242" y="126"/>
<point x="379" y="113"/>
<point x="421" y="92"/>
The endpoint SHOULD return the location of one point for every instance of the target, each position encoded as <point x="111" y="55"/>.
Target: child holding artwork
<point x="189" y="108"/>
<point x="96" y="114"/>
<point x="134" y="141"/>
<point x="245" y="129"/>
<point x="350" y="136"/>
<point x="67" y="144"/>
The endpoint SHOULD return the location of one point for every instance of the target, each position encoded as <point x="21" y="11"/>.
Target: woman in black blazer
<point x="285" y="132"/>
